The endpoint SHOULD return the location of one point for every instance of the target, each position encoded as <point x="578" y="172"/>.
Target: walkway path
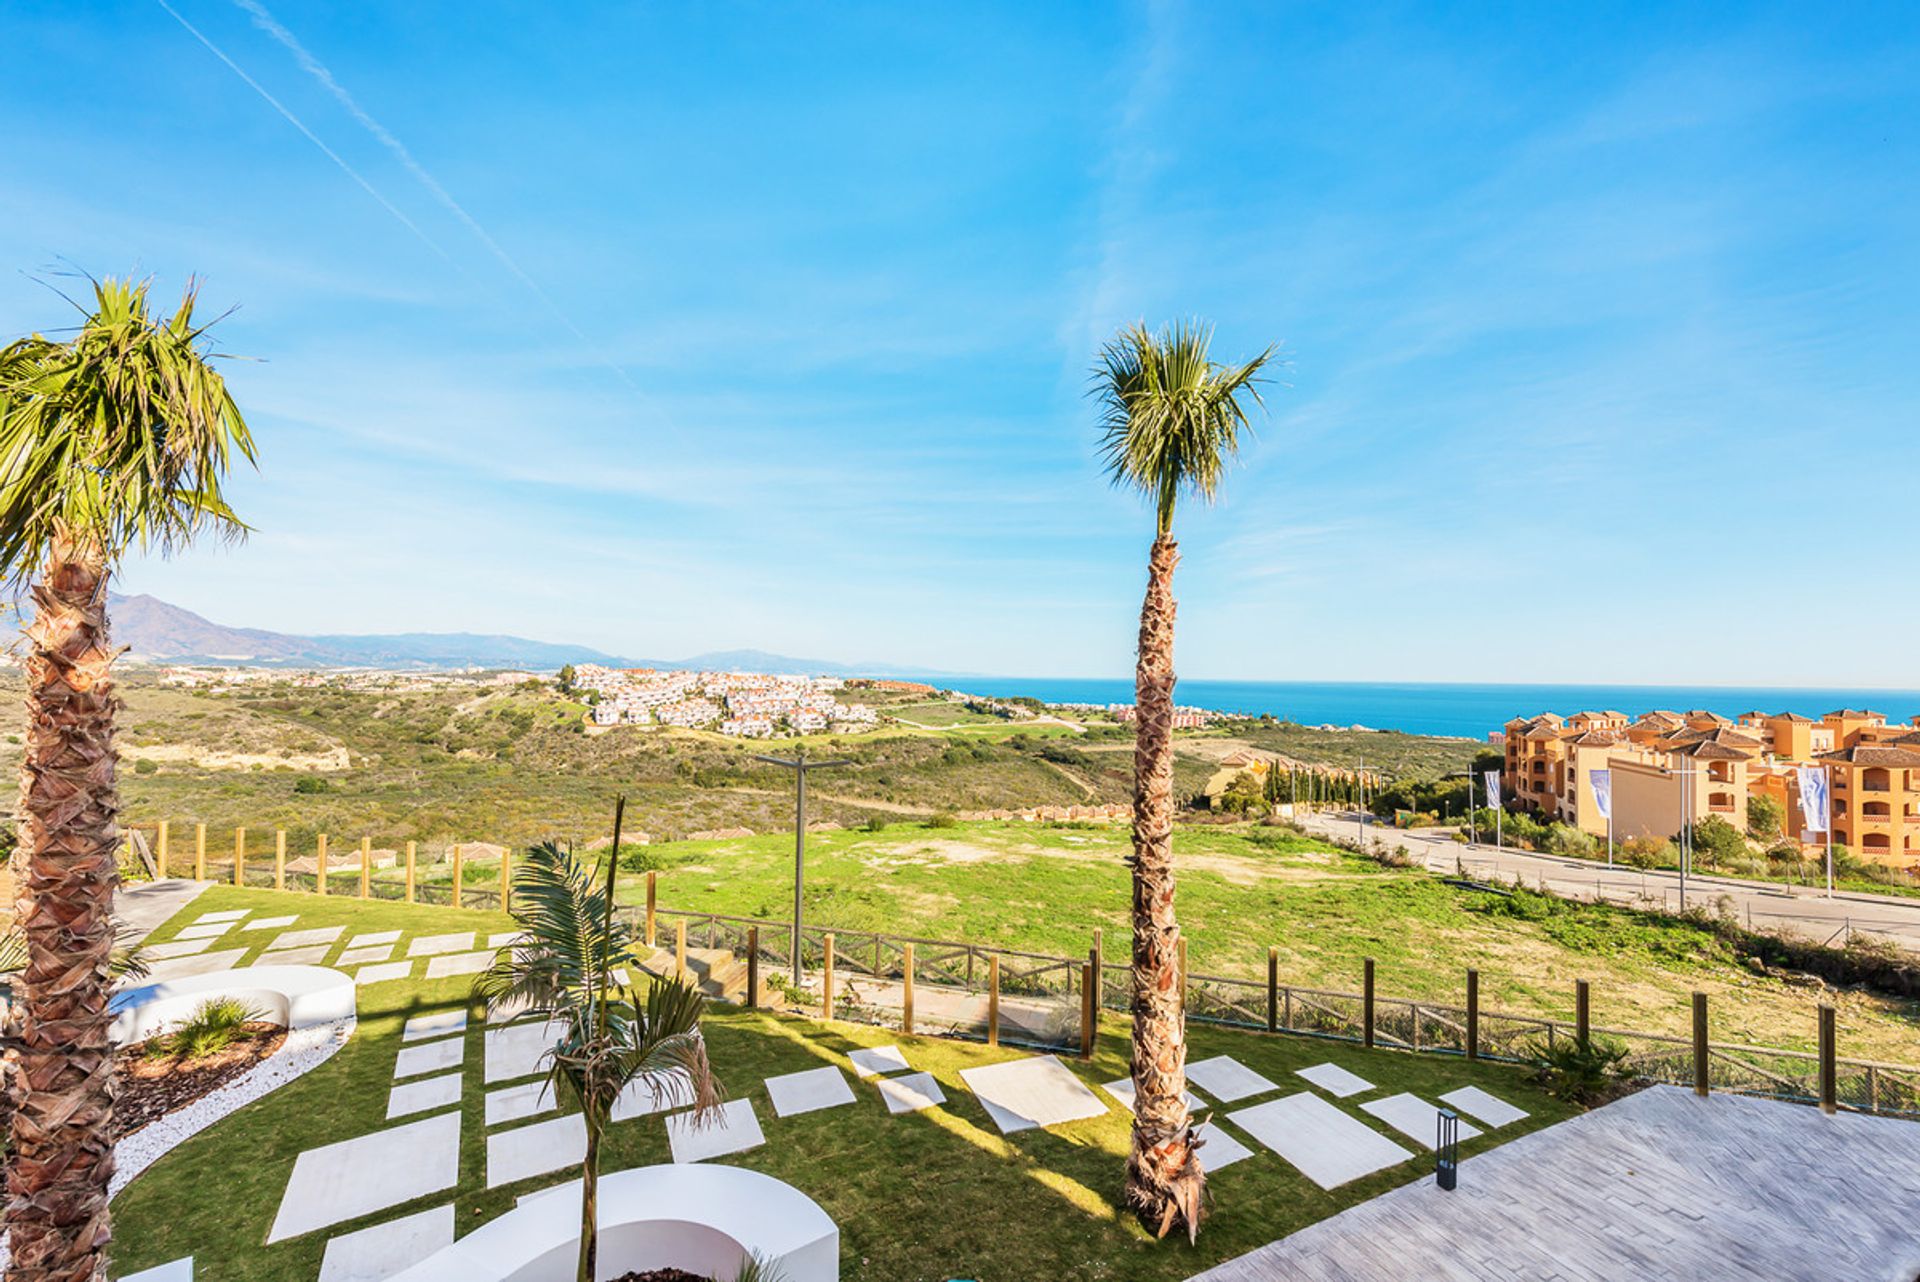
<point x="1658" y="1185"/>
<point x="141" y="907"/>
<point x="1801" y="910"/>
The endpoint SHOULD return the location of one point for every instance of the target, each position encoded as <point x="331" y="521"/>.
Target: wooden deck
<point x="1659" y="1185"/>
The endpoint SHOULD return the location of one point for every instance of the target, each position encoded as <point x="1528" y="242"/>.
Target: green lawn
<point x="923" y="1197"/>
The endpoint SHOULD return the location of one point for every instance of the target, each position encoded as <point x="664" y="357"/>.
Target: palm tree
<point x="119" y="435"/>
<point x="571" y="942"/>
<point x="1170" y="421"/>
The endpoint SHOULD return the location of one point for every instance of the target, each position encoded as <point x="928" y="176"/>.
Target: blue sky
<point x="670" y="328"/>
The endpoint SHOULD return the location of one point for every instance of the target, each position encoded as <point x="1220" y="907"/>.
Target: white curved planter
<point x="294" y="997"/>
<point x="703" y="1218"/>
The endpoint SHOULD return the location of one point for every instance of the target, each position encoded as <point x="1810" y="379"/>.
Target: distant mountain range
<point x="158" y="632"/>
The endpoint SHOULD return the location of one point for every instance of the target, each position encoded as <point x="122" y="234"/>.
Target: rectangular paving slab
<point x="1122" y="1090"/>
<point x="1328" y="1146"/>
<point x="1038" y="1091"/>
<point x="518" y="1050"/>
<point x="430" y="1057"/>
<point x="428" y="1093"/>
<point x="438" y="1023"/>
<point x="434" y="945"/>
<point x="364" y="956"/>
<point x="526" y="1151"/>
<point x="733" y="1129"/>
<point x="808" y="1091"/>
<point x="910" y="1092"/>
<point x="382" y="972"/>
<point x="450" y="964"/>
<point x="309" y="956"/>
<point x="210" y="930"/>
<point x="1335" y="1080"/>
<point x="199" y="964"/>
<point x="1219" y="1149"/>
<point x="653" y="1093"/>
<point x="357" y="1177"/>
<point x="1481" y="1106"/>
<point x="307" y="938"/>
<point x="1227" y="1079"/>
<point x="513" y="1103"/>
<point x="871" y="1061"/>
<point x="377" y="937"/>
<point x="1414" y="1118"/>
<point x="270" y="923"/>
<point x="377" y="1253"/>
<point x="234" y="914"/>
<point x="175" y="948"/>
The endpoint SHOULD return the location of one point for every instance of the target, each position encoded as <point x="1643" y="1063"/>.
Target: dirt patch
<point x="334" y="759"/>
<point x="150" y="1087"/>
<point x="661" y="1275"/>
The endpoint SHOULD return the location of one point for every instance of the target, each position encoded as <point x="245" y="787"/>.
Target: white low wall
<point x="295" y="997"/>
<point x="702" y="1218"/>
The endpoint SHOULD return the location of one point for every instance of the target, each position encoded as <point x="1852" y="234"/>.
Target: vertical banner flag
<point x="1815" y="806"/>
<point x="1602" y="783"/>
<point x="1493" y="789"/>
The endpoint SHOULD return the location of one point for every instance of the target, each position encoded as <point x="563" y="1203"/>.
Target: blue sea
<point x="1466" y="710"/>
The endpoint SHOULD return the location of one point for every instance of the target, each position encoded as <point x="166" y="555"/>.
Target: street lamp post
<point x="799" y="764"/>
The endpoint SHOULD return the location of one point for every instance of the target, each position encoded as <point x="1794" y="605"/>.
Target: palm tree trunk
<point x="1165" y="1185"/>
<point x="62" y="1089"/>
<point x="590" y="1198"/>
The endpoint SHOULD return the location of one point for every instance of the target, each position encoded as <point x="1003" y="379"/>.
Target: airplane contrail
<point x="318" y="70"/>
<point x="311" y="137"/>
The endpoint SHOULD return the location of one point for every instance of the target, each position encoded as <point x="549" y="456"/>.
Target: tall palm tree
<point x="1171" y="419"/>
<point x="120" y="435"/>
<point x="562" y="966"/>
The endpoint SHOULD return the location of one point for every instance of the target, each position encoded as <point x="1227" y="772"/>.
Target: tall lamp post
<point x="799" y="764"/>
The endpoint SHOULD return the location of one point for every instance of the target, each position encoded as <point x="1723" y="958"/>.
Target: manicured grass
<point x="918" y="1198"/>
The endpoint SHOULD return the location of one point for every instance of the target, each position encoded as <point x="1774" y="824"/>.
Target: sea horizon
<point x="1469" y="710"/>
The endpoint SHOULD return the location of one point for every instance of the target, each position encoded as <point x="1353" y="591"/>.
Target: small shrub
<point x="874" y="824"/>
<point x="1584" y="1074"/>
<point x="145" y="766"/>
<point x="941" y="820"/>
<point x="216" y="1025"/>
<point x="308" y="784"/>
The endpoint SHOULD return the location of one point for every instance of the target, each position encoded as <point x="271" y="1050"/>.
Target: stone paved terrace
<point x="1661" y="1184"/>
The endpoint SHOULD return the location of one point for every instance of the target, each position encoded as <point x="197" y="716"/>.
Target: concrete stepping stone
<point x="234" y="914"/>
<point x="910" y="1092"/>
<point x="653" y="1093"/>
<point x="1023" y="1094"/>
<point x="808" y="1091"/>
<point x="380" y="974"/>
<point x="518" y="1050"/>
<point x="363" y="956"/>
<point x="526" y="1151"/>
<point x="1326" y="1145"/>
<point x="430" y="1057"/>
<point x="732" y="1129"/>
<point x="172" y="1271"/>
<point x="873" y="1061"/>
<point x="1227" y="1079"/>
<point x="1334" y="1080"/>
<point x="434" y="945"/>
<point x="212" y="930"/>
<point x="417" y="1097"/>
<point x="377" y="937"/>
<point x="506" y="939"/>
<point x="352" y="1178"/>
<point x="515" y="1103"/>
<point x="1482" y="1107"/>
<point x="306" y="938"/>
<point x="451" y="964"/>
<point x="175" y="948"/>
<point x="311" y="956"/>
<point x="270" y="923"/>
<point x="376" y="1254"/>
<point x="1414" y="1118"/>
<point x="1122" y="1090"/>
<point x="508" y="1009"/>
<point x="1219" y="1150"/>
<point x="199" y="964"/>
<point x="437" y="1023"/>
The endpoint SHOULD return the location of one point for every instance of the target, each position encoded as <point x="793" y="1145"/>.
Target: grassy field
<point x="1045" y="888"/>
<point x="918" y="1198"/>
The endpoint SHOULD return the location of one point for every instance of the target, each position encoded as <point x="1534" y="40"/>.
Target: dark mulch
<point x="662" y="1275"/>
<point x="151" y="1087"/>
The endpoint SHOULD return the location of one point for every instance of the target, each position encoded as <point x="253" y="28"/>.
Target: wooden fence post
<point x="993" y="999"/>
<point x="1099" y="967"/>
<point x="239" y="856"/>
<point x="652" y="902"/>
<point x="1700" y="1064"/>
<point x="1473" y="1014"/>
<point x="366" y="867"/>
<point x="1093" y="999"/>
<point x="412" y="854"/>
<point x="826" y="980"/>
<point x="506" y="879"/>
<point x="1582" y="1014"/>
<point x="161" y="840"/>
<point x="1086" y="1010"/>
<point x="1273" y="988"/>
<point x="906" y="998"/>
<point x="320" y="864"/>
<point x="753" y="967"/>
<point x="279" y="858"/>
<point x="680" y="948"/>
<point x="199" y="852"/>
<point x="1829" y="1064"/>
<point x="1366" y="1004"/>
<point x="459" y="872"/>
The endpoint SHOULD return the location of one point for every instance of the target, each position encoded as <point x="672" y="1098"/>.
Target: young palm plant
<point x="1171" y="420"/>
<point x="571" y="941"/>
<point x="120" y="435"/>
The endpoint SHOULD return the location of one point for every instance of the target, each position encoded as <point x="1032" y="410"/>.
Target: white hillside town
<point x="746" y="705"/>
